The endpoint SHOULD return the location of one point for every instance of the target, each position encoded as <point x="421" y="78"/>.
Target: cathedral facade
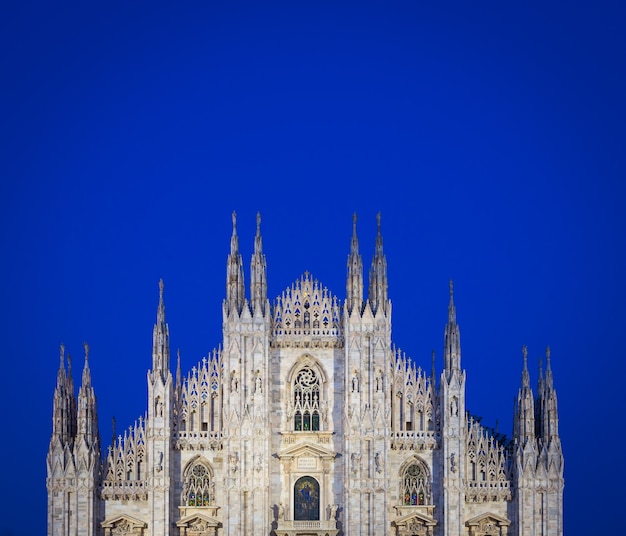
<point x="307" y="421"/>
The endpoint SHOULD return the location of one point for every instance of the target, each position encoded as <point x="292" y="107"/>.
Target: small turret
<point x="377" y="293"/>
<point x="235" y="290"/>
<point x="452" y="339"/>
<point x="354" y="282"/>
<point x="258" y="273"/>
<point x="161" y="339"/>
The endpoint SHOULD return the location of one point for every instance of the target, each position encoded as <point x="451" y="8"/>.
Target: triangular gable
<point x="306" y="448"/>
<point x="415" y="517"/>
<point x="198" y="519"/>
<point x="132" y="522"/>
<point x="475" y="521"/>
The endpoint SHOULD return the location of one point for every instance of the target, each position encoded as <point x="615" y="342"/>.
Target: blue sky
<point x="489" y="136"/>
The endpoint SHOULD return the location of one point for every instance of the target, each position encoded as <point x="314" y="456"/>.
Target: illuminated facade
<point x="307" y="421"/>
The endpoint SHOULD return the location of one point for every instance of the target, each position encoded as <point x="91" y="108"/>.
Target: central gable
<point x="415" y="523"/>
<point x="306" y="315"/>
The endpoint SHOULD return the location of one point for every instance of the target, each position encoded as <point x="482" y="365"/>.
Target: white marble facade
<point x="308" y="421"/>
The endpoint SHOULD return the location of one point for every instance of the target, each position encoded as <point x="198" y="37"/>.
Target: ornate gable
<point x="488" y="524"/>
<point x="306" y="315"/>
<point x="415" y="524"/>
<point x="308" y="450"/>
<point x="198" y="525"/>
<point x="124" y="525"/>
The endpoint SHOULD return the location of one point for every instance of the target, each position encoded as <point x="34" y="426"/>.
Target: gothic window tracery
<point x="415" y="485"/>
<point x="306" y="401"/>
<point x="198" y="486"/>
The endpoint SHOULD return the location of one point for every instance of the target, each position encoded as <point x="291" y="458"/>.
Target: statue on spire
<point x="377" y="294"/>
<point x="258" y="273"/>
<point x="354" y="282"/>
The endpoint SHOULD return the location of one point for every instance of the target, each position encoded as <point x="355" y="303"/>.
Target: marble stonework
<point x="307" y="421"/>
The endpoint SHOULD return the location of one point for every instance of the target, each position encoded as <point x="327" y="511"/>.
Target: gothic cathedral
<point x="307" y="421"/>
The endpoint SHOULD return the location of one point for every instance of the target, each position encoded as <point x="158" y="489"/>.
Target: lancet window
<point x="415" y="485"/>
<point x="198" y="487"/>
<point x="306" y="401"/>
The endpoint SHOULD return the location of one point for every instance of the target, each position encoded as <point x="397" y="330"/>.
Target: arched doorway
<point x="306" y="499"/>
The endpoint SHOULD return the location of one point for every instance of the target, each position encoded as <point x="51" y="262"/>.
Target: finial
<point x="354" y="221"/>
<point x="525" y="352"/>
<point x="378" y="221"/>
<point x="234" y="221"/>
<point x="62" y="353"/>
<point x="452" y="288"/>
<point x="86" y="347"/>
<point x="258" y="223"/>
<point x="548" y="353"/>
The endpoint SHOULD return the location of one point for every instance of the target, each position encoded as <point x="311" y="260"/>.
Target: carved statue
<point x="333" y="511"/>
<point x="355" y="382"/>
<point x="454" y="407"/>
<point x="234" y="382"/>
<point x="377" y="462"/>
<point x="379" y="380"/>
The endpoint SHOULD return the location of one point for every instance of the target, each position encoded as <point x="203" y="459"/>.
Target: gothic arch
<point x="307" y="360"/>
<point x="198" y="483"/>
<point x="415" y="483"/>
<point x="307" y="392"/>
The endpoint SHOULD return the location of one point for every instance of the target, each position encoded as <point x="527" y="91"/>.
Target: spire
<point x="548" y="404"/>
<point x="61" y="376"/>
<point x="258" y="272"/>
<point x="87" y="418"/>
<point x="64" y="404"/>
<point x="549" y="379"/>
<point x="524" y="409"/>
<point x="161" y="339"/>
<point x="86" y="370"/>
<point x="178" y="372"/>
<point x="377" y="293"/>
<point x="525" y="374"/>
<point x="354" y="282"/>
<point x="235" y="293"/>
<point x="452" y="339"/>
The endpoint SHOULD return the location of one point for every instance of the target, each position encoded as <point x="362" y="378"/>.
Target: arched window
<point x="198" y="488"/>
<point x="415" y="485"/>
<point x="306" y="499"/>
<point x="306" y="401"/>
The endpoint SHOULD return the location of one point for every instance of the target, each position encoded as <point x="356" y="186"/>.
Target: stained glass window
<point x="415" y="485"/>
<point x="197" y="489"/>
<point x="306" y="401"/>
<point x="306" y="499"/>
